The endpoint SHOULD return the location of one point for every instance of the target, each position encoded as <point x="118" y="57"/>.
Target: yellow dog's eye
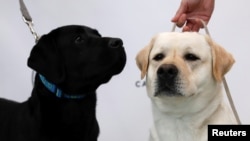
<point x="159" y="57"/>
<point x="191" y="57"/>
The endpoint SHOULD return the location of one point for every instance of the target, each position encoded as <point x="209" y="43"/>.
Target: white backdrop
<point x="123" y="109"/>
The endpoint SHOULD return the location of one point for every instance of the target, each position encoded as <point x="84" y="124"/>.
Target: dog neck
<point x="187" y="120"/>
<point x="58" y="92"/>
<point x="62" y="116"/>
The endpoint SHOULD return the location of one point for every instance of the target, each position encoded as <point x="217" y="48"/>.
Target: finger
<point x="178" y="14"/>
<point x="175" y="18"/>
<point x="185" y="29"/>
<point x="188" y="26"/>
<point x="196" y="27"/>
<point x="180" y="11"/>
<point x="182" y="20"/>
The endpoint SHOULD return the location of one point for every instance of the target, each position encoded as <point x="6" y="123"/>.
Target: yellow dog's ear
<point x="142" y="58"/>
<point x="222" y="60"/>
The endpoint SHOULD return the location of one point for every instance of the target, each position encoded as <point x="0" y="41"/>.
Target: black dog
<point x="71" y="62"/>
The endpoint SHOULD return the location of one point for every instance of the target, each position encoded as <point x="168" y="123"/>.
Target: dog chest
<point x="176" y="130"/>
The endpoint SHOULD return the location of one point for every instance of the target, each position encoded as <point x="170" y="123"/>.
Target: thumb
<point x="182" y="9"/>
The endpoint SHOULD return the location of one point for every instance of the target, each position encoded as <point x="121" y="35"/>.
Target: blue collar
<point x="59" y="93"/>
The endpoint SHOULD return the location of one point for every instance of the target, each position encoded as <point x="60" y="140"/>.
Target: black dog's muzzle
<point x="115" y="43"/>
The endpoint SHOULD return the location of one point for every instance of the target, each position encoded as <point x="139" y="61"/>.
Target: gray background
<point x="123" y="110"/>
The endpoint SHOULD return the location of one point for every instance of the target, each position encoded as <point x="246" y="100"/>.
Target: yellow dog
<point x="184" y="74"/>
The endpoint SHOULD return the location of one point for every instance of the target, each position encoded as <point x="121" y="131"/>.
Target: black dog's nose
<point x="167" y="71"/>
<point x="115" y="43"/>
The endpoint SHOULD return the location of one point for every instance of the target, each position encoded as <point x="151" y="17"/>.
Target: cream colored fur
<point x="185" y="117"/>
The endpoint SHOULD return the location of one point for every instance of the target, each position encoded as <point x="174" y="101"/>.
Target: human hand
<point x="191" y="12"/>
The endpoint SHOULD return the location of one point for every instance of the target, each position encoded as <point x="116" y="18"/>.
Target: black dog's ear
<point x="45" y="59"/>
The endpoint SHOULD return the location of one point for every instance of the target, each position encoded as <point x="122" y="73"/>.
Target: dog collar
<point x="59" y="93"/>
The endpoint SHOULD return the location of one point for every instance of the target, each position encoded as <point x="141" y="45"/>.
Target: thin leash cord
<point x="28" y="20"/>
<point x="229" y="96"/>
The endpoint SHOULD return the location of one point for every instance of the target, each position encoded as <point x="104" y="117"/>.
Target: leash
<point x="51" y="87"/>
<point x="28" y="20"/>
<point x="229" y="96"/>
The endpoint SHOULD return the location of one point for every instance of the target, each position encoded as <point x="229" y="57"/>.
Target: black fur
<point x="77" y="60"/>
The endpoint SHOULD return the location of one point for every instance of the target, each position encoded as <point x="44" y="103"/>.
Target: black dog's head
<point x="77" y="59"/>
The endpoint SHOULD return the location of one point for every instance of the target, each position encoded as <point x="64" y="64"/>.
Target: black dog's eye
<point x="191" y="57"/>
<point x="159" y="57"/>
<point x="79" y="40"/>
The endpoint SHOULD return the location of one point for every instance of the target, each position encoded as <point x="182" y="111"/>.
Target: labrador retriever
<point x="184" y="74"/>
<point x="71" y="62"/>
